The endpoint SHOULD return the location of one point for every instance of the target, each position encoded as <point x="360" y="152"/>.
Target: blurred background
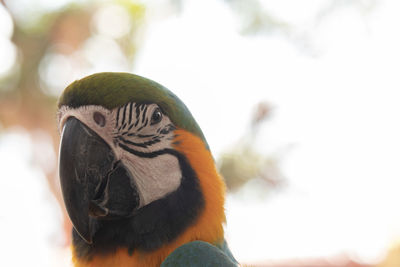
<point x="299" y="101"/>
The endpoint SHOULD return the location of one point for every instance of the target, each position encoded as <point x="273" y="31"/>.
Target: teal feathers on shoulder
<point x="200" y="254"/>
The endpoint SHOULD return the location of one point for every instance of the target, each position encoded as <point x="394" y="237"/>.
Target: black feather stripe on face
<point x="144" y="144"/>
<point x="129" y="127"/>
<point x="153" y="225"/>
<point x="130" y="113"/>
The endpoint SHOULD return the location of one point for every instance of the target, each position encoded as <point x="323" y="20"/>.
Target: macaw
<point x="138" y="179"/>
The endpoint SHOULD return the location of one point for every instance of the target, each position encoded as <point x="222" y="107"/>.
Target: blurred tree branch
<point x="243" y="163"/>
<point x="255" y="18"/>
<point x="23" y="98"/>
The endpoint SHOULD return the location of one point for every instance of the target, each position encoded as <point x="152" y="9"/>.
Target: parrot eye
<point x="99" y="119"/>
<point x="156" y="117"/>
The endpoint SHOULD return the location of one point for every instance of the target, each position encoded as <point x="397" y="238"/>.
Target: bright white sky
<point x="339" y="108"/>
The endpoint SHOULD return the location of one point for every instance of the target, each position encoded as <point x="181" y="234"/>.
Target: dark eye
<point x="156" y="117"/>
<point x="99" y="119"/>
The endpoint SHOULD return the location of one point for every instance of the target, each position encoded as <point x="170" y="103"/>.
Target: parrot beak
<point x="95" y="185"/>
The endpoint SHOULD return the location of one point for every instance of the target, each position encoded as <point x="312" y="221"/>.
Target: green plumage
<point x="199" y="254"/>
<point x="114" y="89"/>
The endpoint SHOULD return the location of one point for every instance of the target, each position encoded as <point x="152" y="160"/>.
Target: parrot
<point x="138" y="180"/>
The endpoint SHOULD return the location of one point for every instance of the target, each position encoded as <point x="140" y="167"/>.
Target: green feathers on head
<point x="114" y="89"/>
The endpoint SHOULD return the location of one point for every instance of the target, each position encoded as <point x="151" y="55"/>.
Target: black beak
<point x="95" y="185"/>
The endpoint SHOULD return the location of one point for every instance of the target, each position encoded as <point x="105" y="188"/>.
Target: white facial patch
<point x="154" y="177"/>
<point x="139" y="135"/>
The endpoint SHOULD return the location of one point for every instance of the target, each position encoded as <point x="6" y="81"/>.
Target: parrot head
<point x="135" y="169"/>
